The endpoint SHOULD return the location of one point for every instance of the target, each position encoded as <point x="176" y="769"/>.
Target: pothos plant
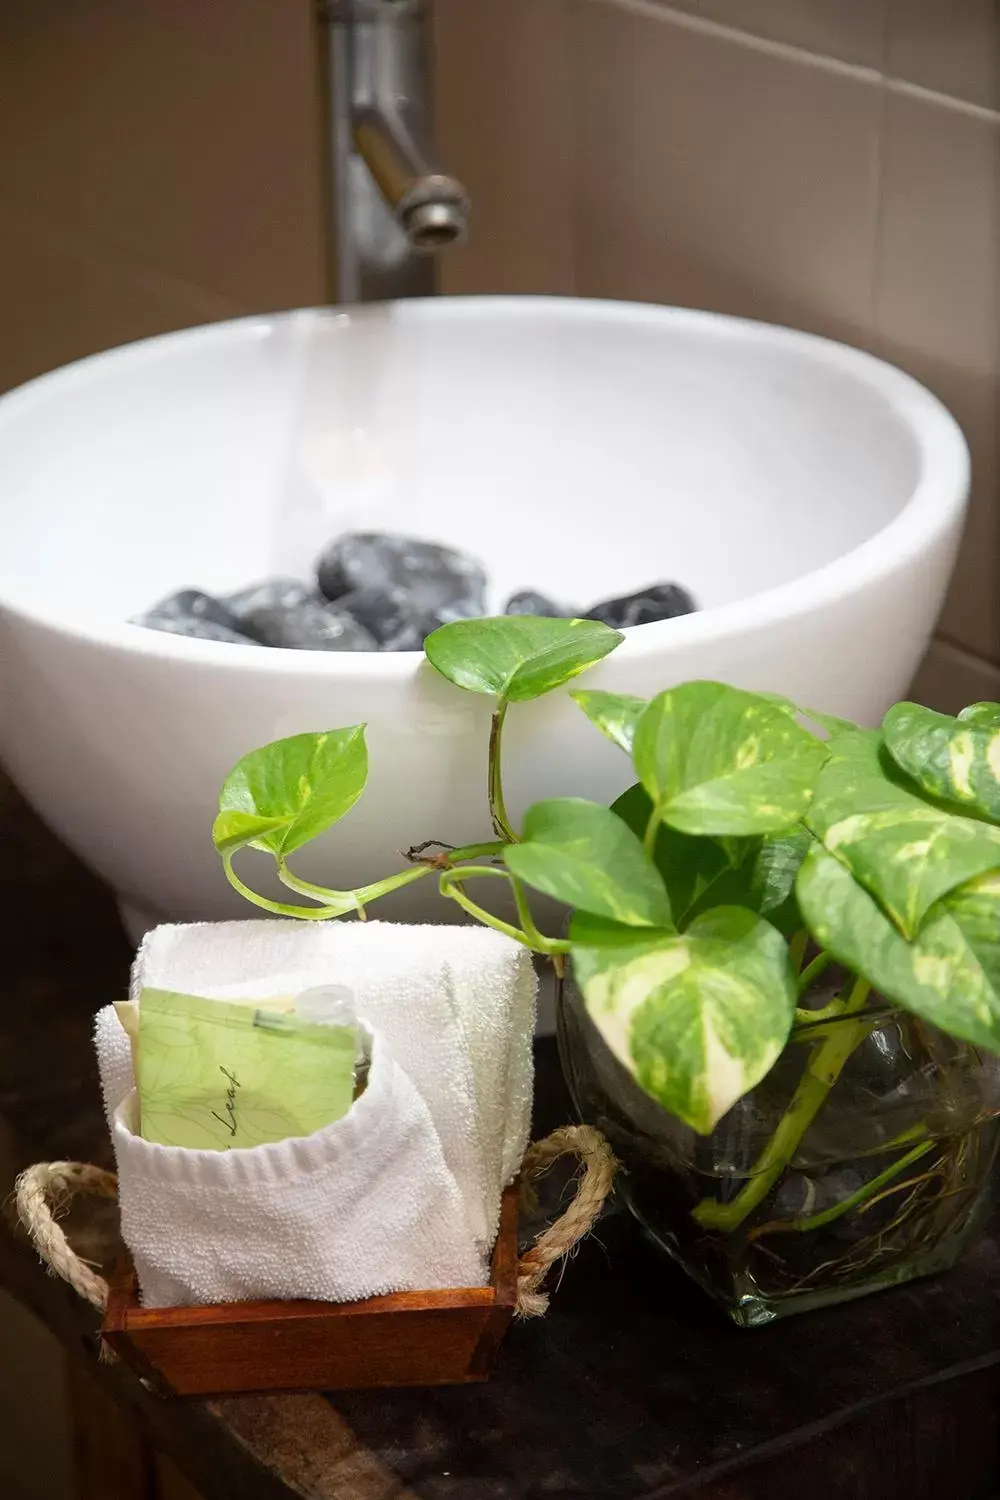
<point x="749" y="855"/>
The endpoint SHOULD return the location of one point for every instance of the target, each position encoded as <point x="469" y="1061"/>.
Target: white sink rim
<point x="938" y="497"/>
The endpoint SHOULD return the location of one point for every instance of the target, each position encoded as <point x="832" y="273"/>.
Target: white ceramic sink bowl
<point x="810" y="496"/>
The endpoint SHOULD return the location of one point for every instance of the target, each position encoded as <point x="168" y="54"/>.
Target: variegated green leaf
<point x="905" y="851"/>
<point x="833" y="725"/>
<point x="976" y="909"/>
<point x="615" y="714"/>
<point x="764" y="882"/>
<point x="701" y="873"/>
<point x="939" y="976"/>
<point x="292" y="790"/>
<point x="687" y="865"/>
<point x="582" y="854"/>
<point x="698" y="1017"/>
<point x="517" y="657"/>
<point x="717" y="760"/>
<point x="234" y="830"/>
<point x="957" y="760"/>
<point x="780" y="701"/>
<point x="775" y="869"/>
<point x="986" y="715"/>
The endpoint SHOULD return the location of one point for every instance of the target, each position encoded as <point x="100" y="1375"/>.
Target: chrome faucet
<point x="392" y="209"/>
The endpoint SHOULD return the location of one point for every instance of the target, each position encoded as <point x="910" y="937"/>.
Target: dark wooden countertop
<point x="633" y="1388"/>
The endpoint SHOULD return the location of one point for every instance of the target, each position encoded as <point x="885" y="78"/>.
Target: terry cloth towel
<point x="362" y="1207"/>
<point x="455" y="1006"/>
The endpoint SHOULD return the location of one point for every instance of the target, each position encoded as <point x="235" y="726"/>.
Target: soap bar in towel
<point x="362" y="1207"/>
<point x="455" y="1005"/>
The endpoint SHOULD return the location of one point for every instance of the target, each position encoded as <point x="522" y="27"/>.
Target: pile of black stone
<point x="375" y="591"/>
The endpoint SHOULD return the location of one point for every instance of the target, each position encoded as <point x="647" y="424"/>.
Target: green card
<point x="214" y="1074"/>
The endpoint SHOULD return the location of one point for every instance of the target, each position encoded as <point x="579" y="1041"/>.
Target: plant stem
<point x="339" y="903"/>
<point x="797" y="949"/>
<point x="854" y="1200"/>
<point x="310" y="913"/>
<point x="355" y="900"/>
<point x="524" y="914"/>
<point x="498" y="810"/>
<point x="450" y="885"/>
<point x="652" y="829"/>
<point x="320" y="893"/>
<point x="822" y="1071"/>
<point x="806" y="1017"/>
<point x="813" y="970"/>
<point x="449" y="855"/>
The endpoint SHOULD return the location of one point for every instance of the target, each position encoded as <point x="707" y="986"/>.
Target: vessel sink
<point x="810" y="496"/>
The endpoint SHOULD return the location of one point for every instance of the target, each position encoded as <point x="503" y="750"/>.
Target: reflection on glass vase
<point x="864" y="1159"/>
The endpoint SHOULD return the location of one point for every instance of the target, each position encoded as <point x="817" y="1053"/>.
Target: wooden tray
<point x="409" y="1338"/>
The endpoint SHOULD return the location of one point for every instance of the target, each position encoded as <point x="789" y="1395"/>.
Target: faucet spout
<point x="393" y="209"/>
<point x="431" y="208"/>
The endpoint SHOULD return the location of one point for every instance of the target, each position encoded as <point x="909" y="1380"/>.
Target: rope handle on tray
<point x="598" y="1167"/>
<point x="44" y="1192"/>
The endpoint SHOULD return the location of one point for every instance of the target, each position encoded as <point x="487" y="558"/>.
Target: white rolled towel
<point x="363" y="1207"/>
<point x="404" y="1191"/>
<point x="455" y="1005"/>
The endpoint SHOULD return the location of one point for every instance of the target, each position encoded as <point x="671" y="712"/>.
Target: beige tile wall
<point x="832" y="164"/>
<point x="160" y="165"/>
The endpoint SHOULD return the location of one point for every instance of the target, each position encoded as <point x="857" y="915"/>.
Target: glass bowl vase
<point x="863" y="1159"/>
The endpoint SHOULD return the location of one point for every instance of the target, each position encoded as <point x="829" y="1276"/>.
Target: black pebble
<point x="527" y="602"/>
<point x="196" y="614"/>
<point x="270" y="593"/>
<point x="192" y="604"/>
<point x="197" y="629"/>
<point x="308" y="626"/>
<point x="661" y="601"/>
<point x="396" y="620"/>
<point x="430" y="576"/>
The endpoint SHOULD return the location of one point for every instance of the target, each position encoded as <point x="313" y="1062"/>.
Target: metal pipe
<point x="393" y="209"/>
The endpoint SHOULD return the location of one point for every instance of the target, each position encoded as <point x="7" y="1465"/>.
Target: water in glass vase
<point x="864" y="1159"/>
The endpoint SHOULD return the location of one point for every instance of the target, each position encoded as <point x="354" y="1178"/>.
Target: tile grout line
<point x="94" y="250"/>
<point x="881" y="144"/>
<point x="943" y="101"/>
<point x="662" y="10"/>
<point x="968" y="656"/>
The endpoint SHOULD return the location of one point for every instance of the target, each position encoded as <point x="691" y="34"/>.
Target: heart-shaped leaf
<point x="698" y="1017"/>
<point x="580" y="853"/>
<point x="615" y="714"/>
<point x="517" y="657"/>
<point x="687" y="865"/>
<point x="234" y="830"/>
<point x="833" y="725"/>
<point x="984" y="715"/>
<point x="775" y="870"/>
<point x="939" y="976"/>
<point x="717" y="760"/>
<point x="699" y="874"/>
<point x="976" y="909"/>
<point x="957" y="760"/>
<point x="764" y="882"/>
<point x="780" y="701"/>
<point x="288" y="792"/>
<point x="905" y="851"/>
